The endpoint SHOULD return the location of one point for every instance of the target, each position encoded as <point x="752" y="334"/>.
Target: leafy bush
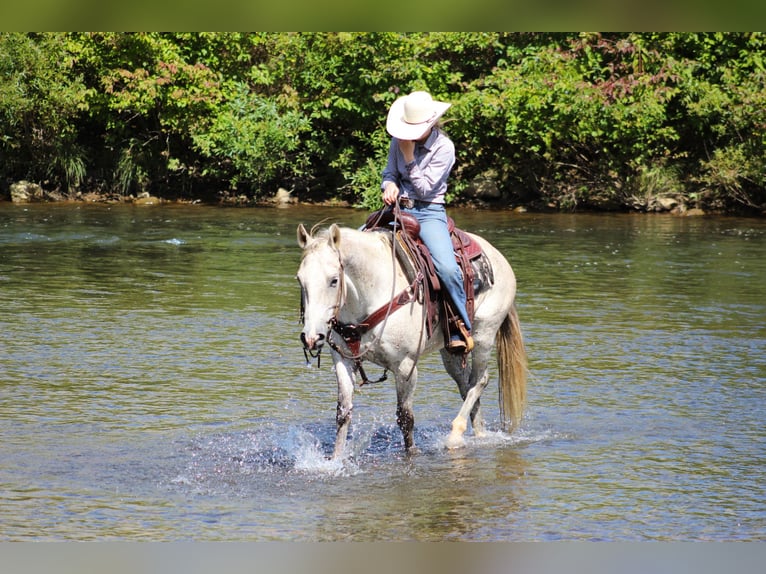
<point x="41" y="101"/>
<point x="251" y="142"/>
<point x="554" y="119"/>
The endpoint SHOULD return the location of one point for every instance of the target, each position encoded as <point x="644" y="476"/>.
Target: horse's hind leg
<point x="460" y="370"/>
<point x="406" y="379"/>
<point x="471" y="379"/>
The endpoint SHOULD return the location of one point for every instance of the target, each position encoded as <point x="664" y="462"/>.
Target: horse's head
<point x="321" y="278"/>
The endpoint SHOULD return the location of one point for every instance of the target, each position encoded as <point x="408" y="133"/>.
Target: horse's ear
<point x="303" y="236"/>
<point x="335" y="235"/>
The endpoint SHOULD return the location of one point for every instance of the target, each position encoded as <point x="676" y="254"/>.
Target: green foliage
<point x="68" y="165"/>
<point x="258" y="141"/>
<point x="129" y="173"/>
<point x="721" y="117"/>
<point x="40" y="104"/>
<point x="148" y="94"/>
<point x="570" y="119"/>
<point x="365" y="182"/>
<point x="563" y="119"/>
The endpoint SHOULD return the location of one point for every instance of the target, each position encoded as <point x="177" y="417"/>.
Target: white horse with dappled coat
<point x="347" y="274"/>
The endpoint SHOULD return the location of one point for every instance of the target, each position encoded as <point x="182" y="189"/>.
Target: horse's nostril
<point x="312" y="343"/>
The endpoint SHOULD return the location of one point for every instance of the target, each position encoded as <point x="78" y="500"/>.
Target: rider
<point x="420" y="158"/>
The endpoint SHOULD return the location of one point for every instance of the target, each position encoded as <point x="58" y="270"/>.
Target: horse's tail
<point x="512" y="365"/>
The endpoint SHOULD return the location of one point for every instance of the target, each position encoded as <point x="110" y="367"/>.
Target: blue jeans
<point x="434" y="233"/>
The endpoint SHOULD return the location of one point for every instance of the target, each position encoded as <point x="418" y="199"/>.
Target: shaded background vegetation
<point x="564" y="120"/>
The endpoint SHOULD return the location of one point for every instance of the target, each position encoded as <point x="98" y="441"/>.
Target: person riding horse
<point x="420" y="159"/>
<point x="348" y="303"/>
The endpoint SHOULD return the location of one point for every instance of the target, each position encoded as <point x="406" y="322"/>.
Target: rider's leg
<point x="434" y="233"/>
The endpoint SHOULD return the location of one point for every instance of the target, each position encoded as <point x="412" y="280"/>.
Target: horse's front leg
<point x="406" y="379"/>
<point x="346" y="375"/>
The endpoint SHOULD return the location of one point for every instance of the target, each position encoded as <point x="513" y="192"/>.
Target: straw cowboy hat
<point x="411" y="116"/>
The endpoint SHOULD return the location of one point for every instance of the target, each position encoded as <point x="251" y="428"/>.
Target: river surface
<point x="153" y="387"/>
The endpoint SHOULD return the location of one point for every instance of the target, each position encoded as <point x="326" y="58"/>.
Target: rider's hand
<point x="407" y="148"/>
<point x="390" y="193"/>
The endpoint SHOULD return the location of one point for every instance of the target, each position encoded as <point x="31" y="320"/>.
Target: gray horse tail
<point x="512" y="365"/>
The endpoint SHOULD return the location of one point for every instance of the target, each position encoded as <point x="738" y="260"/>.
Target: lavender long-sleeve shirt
<point x="425" y="179"/>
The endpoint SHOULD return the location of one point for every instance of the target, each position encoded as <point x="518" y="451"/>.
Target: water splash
<point x="238" y="462"/>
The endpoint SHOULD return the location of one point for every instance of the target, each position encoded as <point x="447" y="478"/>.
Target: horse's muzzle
<point x="313" y="343"/>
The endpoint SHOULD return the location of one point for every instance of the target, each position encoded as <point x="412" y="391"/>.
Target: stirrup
<point x="460" y="342"/>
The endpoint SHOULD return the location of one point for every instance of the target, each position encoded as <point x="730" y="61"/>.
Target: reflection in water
<point x="429" y="496"/>
<point x="152" y="386"/>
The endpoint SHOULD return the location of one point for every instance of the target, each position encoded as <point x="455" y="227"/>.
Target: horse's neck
<point x="367" y="262"/>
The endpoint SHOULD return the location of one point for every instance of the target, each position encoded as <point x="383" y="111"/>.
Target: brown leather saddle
<point x="415" y="259"/>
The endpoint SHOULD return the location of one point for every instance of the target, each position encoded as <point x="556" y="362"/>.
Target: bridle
<point x="352" y="333"/>
<point x="308" y="353"/>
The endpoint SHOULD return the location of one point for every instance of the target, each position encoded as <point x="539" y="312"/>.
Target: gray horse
<point x="346" y="274"/>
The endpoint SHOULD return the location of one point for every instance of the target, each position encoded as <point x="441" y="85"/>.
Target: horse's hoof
<point x="455" y="441"/>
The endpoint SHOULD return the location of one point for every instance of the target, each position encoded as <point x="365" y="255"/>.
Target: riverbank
<point x="23" y="192"/>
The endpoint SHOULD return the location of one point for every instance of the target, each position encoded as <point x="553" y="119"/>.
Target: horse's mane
<point x="317" y="228"/>
<point x="321" y="230"/>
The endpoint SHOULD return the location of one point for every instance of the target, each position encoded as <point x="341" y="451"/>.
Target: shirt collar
<point x="430" y="139"/>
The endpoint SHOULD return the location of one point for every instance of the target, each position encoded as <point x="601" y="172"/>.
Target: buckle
<point x="406" y="203"/>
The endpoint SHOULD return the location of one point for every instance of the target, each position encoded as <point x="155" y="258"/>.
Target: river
<point x="153" y="387"/>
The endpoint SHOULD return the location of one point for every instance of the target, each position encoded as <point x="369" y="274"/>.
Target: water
<point x="152" y="386"/>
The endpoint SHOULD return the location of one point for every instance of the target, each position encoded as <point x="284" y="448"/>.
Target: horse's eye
<point x="334" y="282"/>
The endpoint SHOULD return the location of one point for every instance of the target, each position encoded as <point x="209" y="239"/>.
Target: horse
<point x="346" y="274"/>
